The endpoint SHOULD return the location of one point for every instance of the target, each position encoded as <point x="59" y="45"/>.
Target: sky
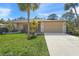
<point x="11" y="10"/>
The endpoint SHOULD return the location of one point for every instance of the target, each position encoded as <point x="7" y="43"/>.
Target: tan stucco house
<point x="2" y="25"/>
<point x="47" y="26"/>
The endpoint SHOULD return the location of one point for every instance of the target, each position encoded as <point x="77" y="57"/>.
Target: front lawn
<point x="18" y="45"/>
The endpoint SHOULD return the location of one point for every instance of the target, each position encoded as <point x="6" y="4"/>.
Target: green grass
<point x="18" y="45"/>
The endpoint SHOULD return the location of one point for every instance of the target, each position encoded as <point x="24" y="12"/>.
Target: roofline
<point x="42" y="20"/>
<point x="55" y="20"/>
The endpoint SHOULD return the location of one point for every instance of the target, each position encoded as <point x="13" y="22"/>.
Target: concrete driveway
<point x="60" y="44"/>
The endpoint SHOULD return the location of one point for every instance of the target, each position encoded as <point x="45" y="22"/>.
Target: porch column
<point x="64" y="27"/>
<point x="42" y="27"/>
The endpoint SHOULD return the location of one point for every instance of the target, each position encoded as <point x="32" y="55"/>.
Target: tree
<point x="2" y="20"/>
<point x="70" y="27"/>
<point x="10" y="25"/>
<point x="69" y="6"/>
<point x="52" y="17"/>
<point x="27" y="7"/>
<point x="21" y="18"/>
<point x="36" y="17"/>
<point x="68" y="16"/>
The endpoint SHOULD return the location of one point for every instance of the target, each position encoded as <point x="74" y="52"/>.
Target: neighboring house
<point x="47" y="26"/>
<point x="2" y="25"/>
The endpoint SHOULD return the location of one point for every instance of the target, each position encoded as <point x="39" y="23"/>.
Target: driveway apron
<point x="60" y="44"/>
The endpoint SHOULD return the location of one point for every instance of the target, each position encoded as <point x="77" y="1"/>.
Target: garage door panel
<point x="53" y="27"/>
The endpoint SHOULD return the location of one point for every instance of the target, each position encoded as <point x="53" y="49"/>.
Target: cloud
<point x="44" y="7"/>
<point x="47" y="14"/>
<point x="43" y="14"/>
<point x="4" y="12"/>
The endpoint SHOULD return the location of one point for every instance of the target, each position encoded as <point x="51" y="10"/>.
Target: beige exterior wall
<point x="53" y="26"/>
<point x="48" y="26"/>
<point x="20" y="26"/>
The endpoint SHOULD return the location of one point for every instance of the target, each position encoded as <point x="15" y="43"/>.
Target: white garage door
<point x="54" y="27"/>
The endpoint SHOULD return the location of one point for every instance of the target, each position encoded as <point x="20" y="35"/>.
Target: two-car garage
<point x="53" y="26"/>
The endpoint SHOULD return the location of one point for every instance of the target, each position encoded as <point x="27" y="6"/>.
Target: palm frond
<point x="34" y="6"/>
<point x="66" y="6"/>
<point x="22" y="6"/>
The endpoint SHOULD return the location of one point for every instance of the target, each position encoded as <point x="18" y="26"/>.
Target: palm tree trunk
<point x="76" y="20"/>
<point x="28" y="13"/>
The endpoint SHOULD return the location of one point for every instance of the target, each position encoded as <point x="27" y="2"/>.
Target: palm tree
<point x="27" y="7"/>
<point x="70" y="6"/>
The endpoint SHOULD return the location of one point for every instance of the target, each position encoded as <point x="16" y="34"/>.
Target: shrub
<point x="33" y="28"/>
<point x="76" y="31"/>
<point x="70" y="27"/>
<point x="10" y="26"/>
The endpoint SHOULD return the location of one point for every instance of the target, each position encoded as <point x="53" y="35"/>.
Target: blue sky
<point x="11" y="10"/>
